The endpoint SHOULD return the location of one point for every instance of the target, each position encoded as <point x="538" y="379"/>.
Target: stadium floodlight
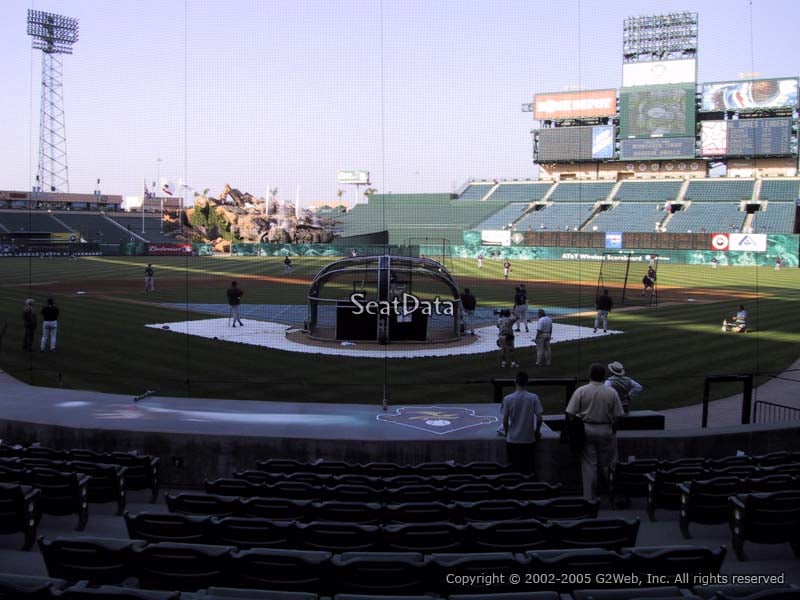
<point x="53" y="35"/>
<point x="659" y="37"/>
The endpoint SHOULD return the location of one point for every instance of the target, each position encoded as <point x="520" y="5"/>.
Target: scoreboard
<point x="747" y="137"/>
<point x="575" y="143"/>
<point x="759" y="137"/>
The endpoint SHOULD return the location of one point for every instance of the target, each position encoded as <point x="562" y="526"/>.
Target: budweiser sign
<point x="574" y="105"/>
<point x="168" y="249"/>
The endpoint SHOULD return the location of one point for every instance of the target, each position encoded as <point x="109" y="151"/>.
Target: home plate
<point x="272" y="335"/>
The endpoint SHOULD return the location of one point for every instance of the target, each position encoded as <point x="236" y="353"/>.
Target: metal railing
<point x="770" y="412"/>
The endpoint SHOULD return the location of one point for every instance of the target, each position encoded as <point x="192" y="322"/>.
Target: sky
<point x="261" y="94"/>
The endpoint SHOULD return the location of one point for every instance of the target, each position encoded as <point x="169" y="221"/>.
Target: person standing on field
<point x="234" y="295"/>
<point x="149" y="279"/>
<point x="29" y="322"/>
<point x="49" y="325"/>
<point x="604" y="304"/>
<point x="542" y="337"/>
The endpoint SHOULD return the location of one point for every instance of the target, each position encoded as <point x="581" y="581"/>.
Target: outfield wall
<point x="785" y="246"/>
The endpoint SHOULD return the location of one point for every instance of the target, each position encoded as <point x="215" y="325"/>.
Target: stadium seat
<point x="337" y="537"/>
<point x="499" y="564"/>
<point x="97" y="560"/>
<point x="426" y="538"/>
<point x="706" y="501"/>
<point x="508" y="596"/>
<point x="627" y="479"/>
<point x="272" y="569"/>
<point x="28" y="587"/>
<point x="246" y="533"/>
<point x="673" y="560"/>
<point x="282" y="465"/>
<point x="334" y="467"/>
<point x="220" y="593"/>
<point x="19" y="511"/>
<point x="62" y="493"/>
<point x="169" y="527"/>
<point x="142" y="473"/>
<point x="293" y="490"/>
<point x="746" y="592"/>
<point x="396" y="481"/>
<point x="365" y="513"/>
<point x="492" y="510"/>
<point x="106" y="483"/>
<point x="35" y="451"/>
<point x="531" y="490"/>
<point x="418" y="512"/>
<point x="353" y="493"/>
<point x="510" y="536"/>
<point x="185" y="567"/>
<point x="380" y="573"/>
<point x="563" y="508"/>
<point x="587" y="562"/>
<point x="411" y="493"/>
<point x="772" y="518"/>
<point x="662" y="487"/>
<point x="275" y="509"/>
<point x="609" y="534"/>
<point x="629" y="593"/>
<point x="381" y="469"/>
<point x="258" y="476"/>
<point x="83" y="591"/>
<point x="472" y="492"/>
<point x="225" y="486"/>
<point x="202" y="504"/>
<point x="483" y="468"/>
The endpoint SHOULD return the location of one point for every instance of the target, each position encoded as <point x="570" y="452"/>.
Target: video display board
<point x="575" y="143"/>
<point x="659" y="72"/>
<point x="650" y="149"/>
<point x="714" y="138"/>
<point x="753" y="94"/>
<point x="657" y="111"/>
<point x="575" y="105"/>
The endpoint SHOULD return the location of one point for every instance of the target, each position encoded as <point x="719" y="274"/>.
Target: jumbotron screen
<point x="657" y="111"/>
<point x="757" y="94"/>
<point x="575" y="143"/>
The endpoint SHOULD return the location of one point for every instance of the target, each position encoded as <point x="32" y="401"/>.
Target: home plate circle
<point x="437" y="422"/>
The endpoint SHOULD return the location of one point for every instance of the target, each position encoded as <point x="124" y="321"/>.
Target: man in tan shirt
<point x="598" y="407"/>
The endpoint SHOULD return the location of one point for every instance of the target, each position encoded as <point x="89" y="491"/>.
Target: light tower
<point x="52" y="34"/>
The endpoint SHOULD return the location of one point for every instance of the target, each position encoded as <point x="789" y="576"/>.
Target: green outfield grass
<point x="104" y="344"/>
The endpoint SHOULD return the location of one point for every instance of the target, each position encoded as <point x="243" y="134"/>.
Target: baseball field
<point x="105" y="344"/>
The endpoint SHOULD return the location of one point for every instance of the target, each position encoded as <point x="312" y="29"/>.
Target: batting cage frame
<point x="615" y="274"/>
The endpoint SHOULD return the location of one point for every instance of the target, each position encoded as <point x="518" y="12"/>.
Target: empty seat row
<point x="42" y="588"/>
<point x="284" y="509"/>
<point x="142" y="470"/>
<point x="383" y="481"/>
<point x="190" y="567"/>
<point x="379" y="469"/>
<point x="514" y="536"/>
<point x="301" y="490"/>
<point x="767" y="518"/>
<point x="106" y="482"/>
<point x="61" y="493"/>
<point x="664" y="487"/>
<point x="706" y="501"/>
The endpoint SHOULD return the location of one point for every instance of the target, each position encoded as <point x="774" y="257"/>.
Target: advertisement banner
<point x="353" y="176"/>
<point x="659" y="72"/>
<point x="169" y="249"/>
<point x="748" y="242"/>
<point x="714" y="138"/>
<point x="754" y="94"/>
<point x="496" y="238"/>
<point x="603" y="141"/>
<point x="720" y="241"/>
<point x="574" y="105"/>
<point x="613" y="241"/>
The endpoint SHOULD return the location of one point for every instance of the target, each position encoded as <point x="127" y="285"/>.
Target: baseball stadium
<point x="243" y="394"/>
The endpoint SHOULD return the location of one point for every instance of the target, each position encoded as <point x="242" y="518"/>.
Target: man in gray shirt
<point x="544" y="333"/>
<point x="522" y="420"/>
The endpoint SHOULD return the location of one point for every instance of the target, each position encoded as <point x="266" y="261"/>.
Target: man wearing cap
<point x="544" y="332"/>
<point x="49" y="325"/>
<point x="29" y="321"/>
<point x="598" y="407"/>
<point x="627" y="389"/>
